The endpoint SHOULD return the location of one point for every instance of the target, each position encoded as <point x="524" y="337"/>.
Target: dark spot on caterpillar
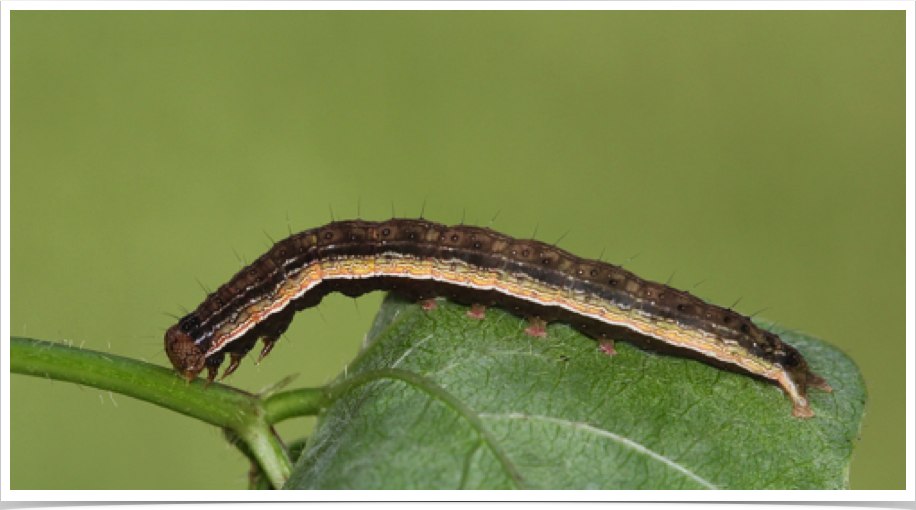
<point x="189" y="324"/>
<point x="681" y="307"/>
<point x="454" y="237"/>
<point x="612" y="281"/>
<point x="546" y="262"/>
<point x="525" y="253"/>
<point x="745" y="329"/>
<point x="477" y="245"/>
<point x="386" y="231"/>
<point x="411" y="235"/>
<point x="353" y="237"/>
<point x="593" y="272"/>
<point x="328" y="235"/>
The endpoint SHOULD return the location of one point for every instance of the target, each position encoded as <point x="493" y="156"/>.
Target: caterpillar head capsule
<point x="185" y="355"/>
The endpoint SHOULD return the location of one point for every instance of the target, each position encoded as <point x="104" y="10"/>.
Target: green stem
<point x="223" y="406"/>
<point x="269" y="452"/>
<point x="293" y="403"/>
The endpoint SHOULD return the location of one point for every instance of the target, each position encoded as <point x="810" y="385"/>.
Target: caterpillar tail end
<point x="816" y="381"/>
<point x="802" y="406"/>
<point x="802" y="411"/>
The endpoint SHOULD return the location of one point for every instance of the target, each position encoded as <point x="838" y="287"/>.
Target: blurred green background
<point x="760" y="152"/>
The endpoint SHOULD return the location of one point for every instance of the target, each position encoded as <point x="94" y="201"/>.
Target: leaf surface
<point x="437" y="400"/>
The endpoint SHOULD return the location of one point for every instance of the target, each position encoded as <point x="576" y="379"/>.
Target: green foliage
<point x="437" y="400"/>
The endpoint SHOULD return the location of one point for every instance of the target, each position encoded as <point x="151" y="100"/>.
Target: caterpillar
<point x="483" y="268"/>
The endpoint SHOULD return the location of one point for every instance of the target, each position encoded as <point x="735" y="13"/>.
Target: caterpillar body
<point x="483" y="268"/>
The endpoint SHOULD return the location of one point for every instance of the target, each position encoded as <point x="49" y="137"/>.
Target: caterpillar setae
<point x="483" y="268"/>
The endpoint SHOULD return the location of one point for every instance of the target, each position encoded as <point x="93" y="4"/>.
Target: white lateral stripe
<point x="220" y="344"/>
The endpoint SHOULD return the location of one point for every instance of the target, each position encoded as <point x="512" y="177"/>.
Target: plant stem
<point x="223" y="406"/>
<point x="293" y="403"/>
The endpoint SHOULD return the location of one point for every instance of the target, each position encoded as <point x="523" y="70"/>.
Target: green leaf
<point x="439" y="400"/>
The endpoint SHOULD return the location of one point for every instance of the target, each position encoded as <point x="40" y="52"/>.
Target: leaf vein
<point x="634" y="446"/>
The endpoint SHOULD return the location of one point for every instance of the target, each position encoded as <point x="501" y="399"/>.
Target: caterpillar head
<point x="185" y="355"/>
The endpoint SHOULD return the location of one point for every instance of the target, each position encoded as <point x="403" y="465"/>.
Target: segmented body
<point x="480" y="267"/>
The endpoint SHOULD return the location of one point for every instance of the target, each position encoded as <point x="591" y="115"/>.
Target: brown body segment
<point x="480" y="267"/>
